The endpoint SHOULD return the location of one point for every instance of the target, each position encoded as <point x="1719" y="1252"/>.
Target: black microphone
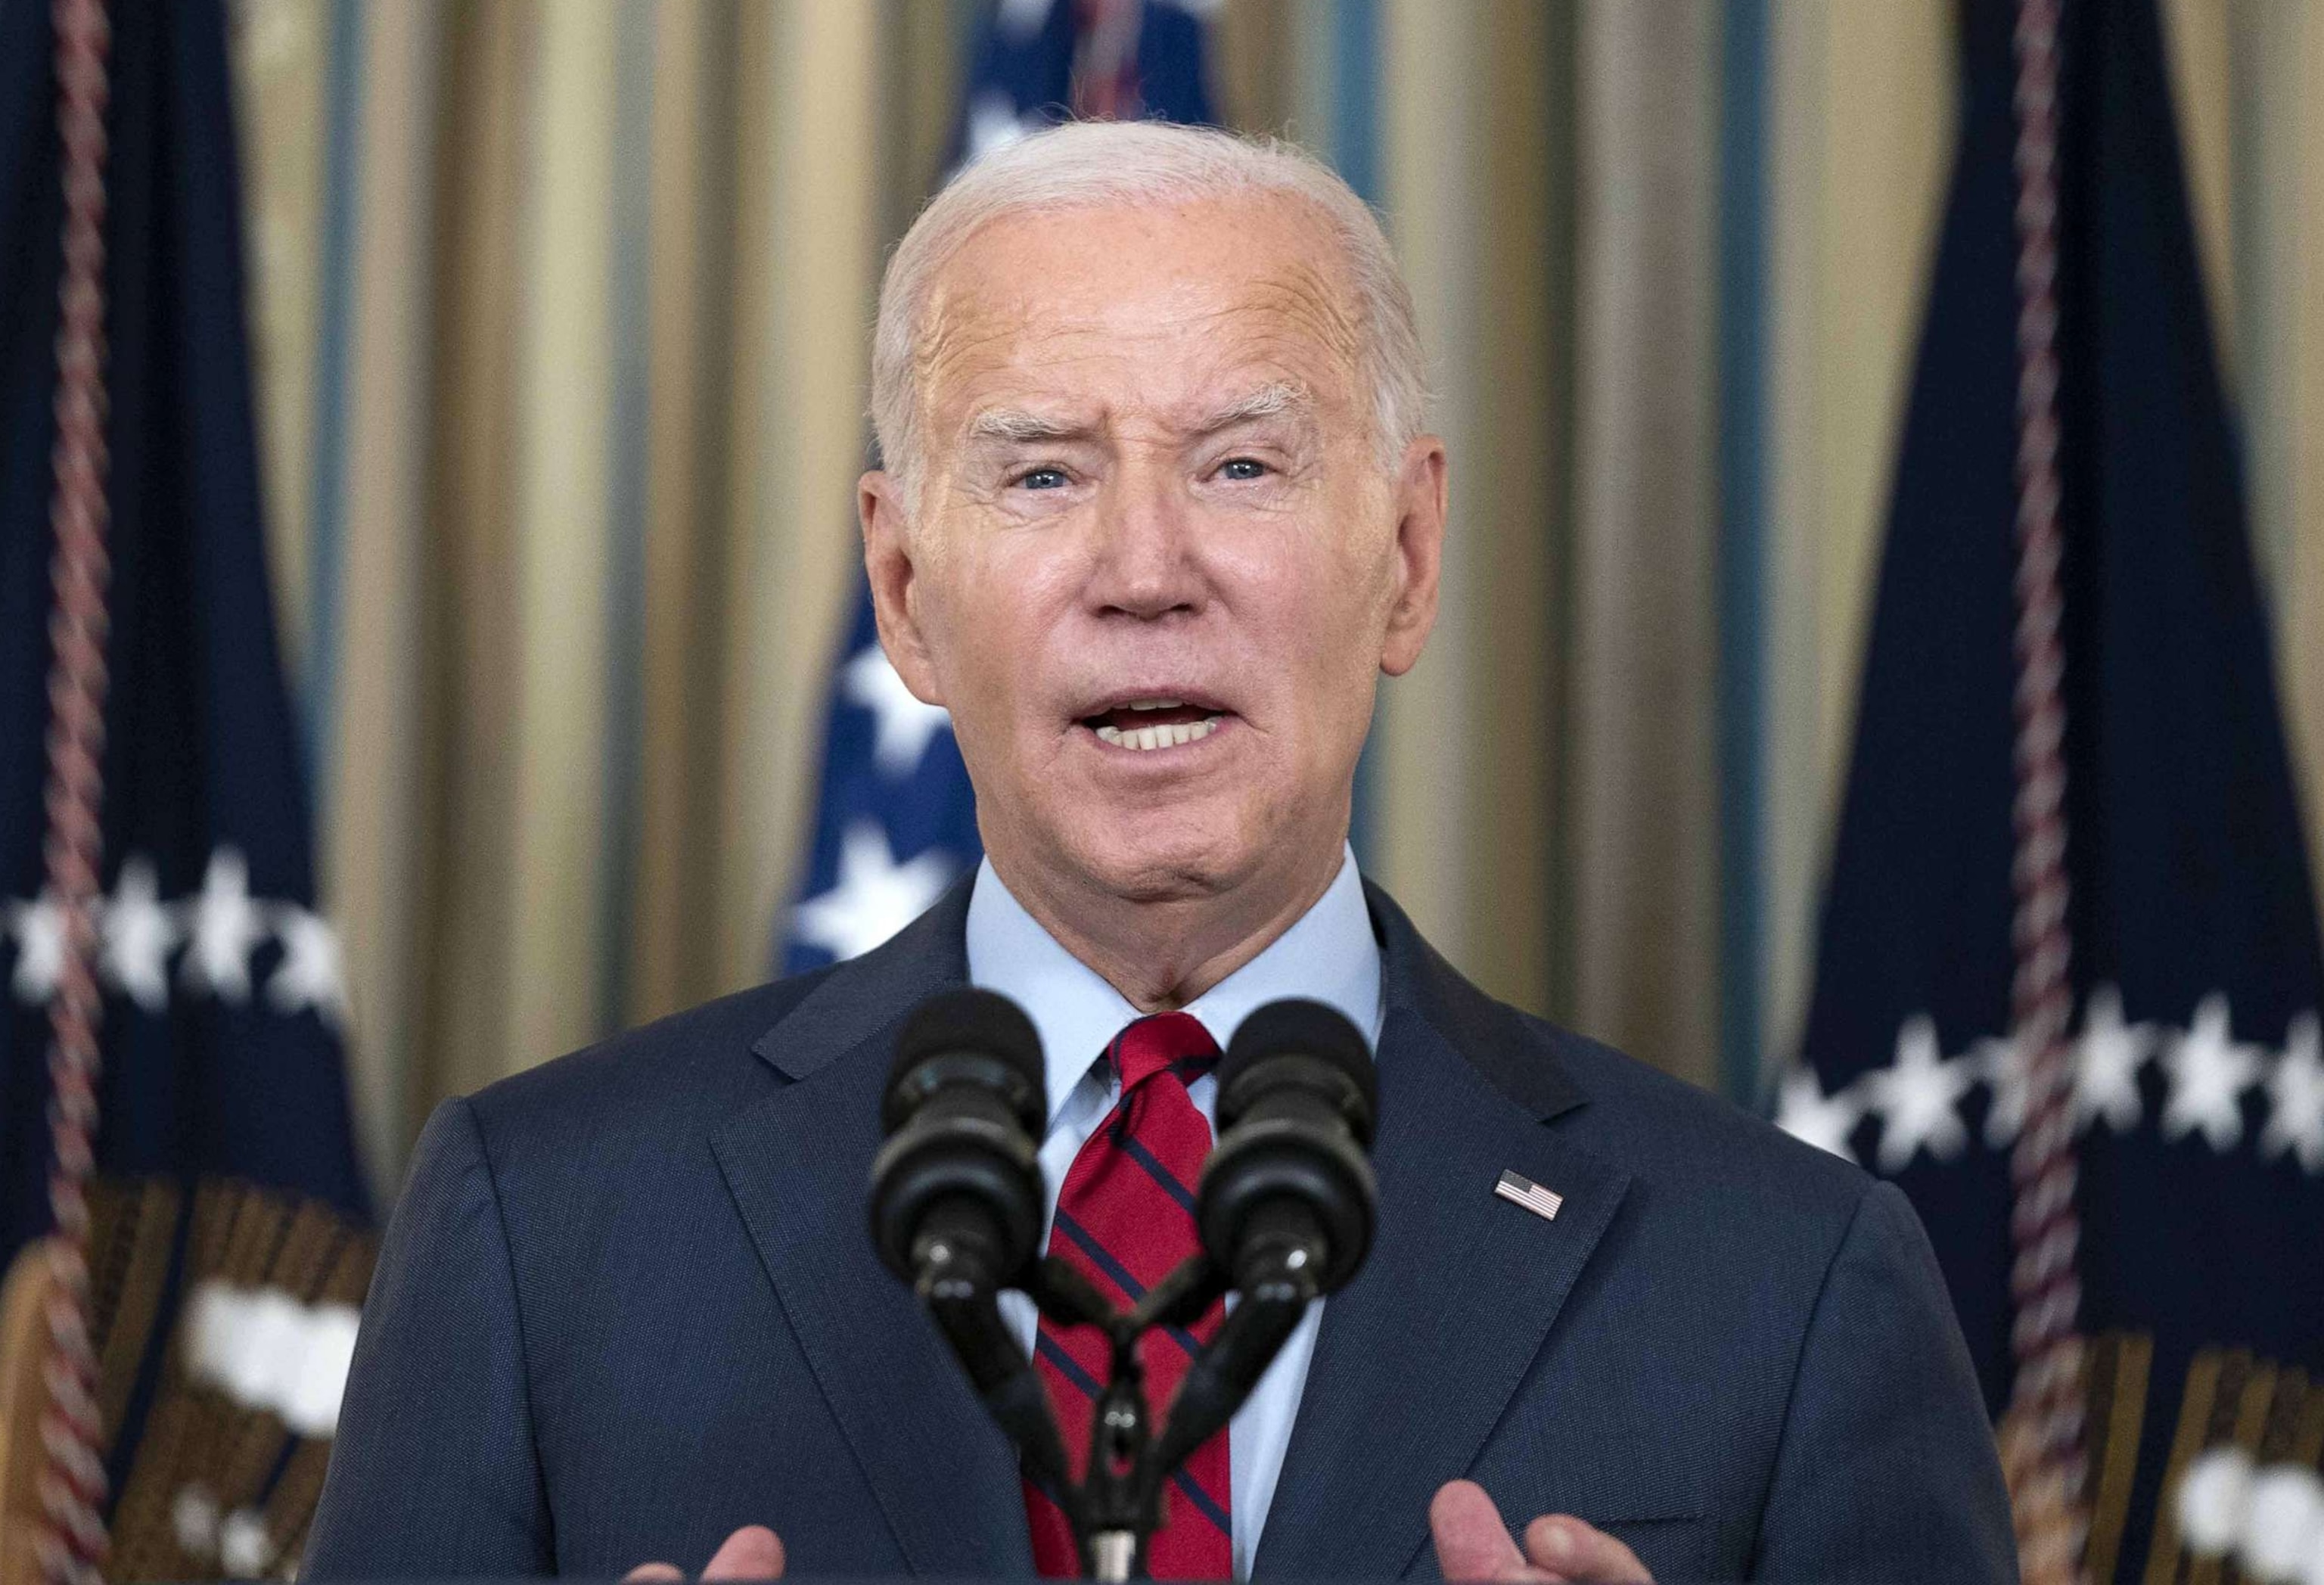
<point x="1288" y="1188"/>
<point x="956" y="1196"/>
<point x="956" y="1189"/>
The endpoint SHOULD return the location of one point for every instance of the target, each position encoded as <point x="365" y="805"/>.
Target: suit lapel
<point x="798" y="1164"/>
<point x="1420" y="1357"/>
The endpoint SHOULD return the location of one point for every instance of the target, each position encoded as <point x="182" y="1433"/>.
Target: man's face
<point x="1154" y="566"/>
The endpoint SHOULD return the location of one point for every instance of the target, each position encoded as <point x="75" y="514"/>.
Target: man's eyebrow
<point x="1017" y="426"/>
<point x="1275" y="399"/>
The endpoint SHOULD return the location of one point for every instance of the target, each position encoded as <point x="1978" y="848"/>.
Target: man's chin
<point x="1160" y="859"/>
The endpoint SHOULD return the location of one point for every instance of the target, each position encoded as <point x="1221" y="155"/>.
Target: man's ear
<point x="889" y="567"/>
<point x="1422" y="491"/>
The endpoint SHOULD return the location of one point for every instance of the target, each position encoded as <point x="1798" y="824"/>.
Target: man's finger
<point x="1567" y="1548"/>
<point x="751" y="1552"/>
<point x="652" y="1574"/>
<point x="1471" y="1541"/>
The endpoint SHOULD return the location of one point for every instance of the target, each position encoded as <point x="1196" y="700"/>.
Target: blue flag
<point x="895" y="819"/>
<point x="2198" y="1085"/>
<point x="229" y="1195"/>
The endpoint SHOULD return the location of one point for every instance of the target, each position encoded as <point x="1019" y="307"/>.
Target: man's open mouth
<point x="1147" y="724"/>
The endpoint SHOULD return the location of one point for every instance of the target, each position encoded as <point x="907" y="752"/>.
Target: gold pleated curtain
<point x="561" y="311"/>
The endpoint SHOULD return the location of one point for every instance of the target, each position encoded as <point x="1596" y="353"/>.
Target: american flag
<point x="1520" y="1190"/>
<point x="895" y="819"/>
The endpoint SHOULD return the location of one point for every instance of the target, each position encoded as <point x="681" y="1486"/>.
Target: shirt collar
<point x="1329" y="954"/>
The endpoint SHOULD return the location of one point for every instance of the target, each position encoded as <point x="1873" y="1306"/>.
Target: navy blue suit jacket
<point x="628" y="1302"/>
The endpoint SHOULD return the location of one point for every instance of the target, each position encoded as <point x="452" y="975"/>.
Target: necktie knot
<point x="1173" y="1041"/>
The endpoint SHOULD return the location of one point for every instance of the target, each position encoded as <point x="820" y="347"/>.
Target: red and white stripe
<point x="2048" y="1470"/>
<point x="72" y="1551"/>
<point x="1105" y="82"/>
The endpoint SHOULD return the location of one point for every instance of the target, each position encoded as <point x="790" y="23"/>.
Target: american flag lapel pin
<point x="1520" y="1189"/>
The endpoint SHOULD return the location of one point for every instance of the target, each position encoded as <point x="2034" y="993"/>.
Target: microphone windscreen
<point x="973" y="1022"/>
<point x="1299" y="1028"/>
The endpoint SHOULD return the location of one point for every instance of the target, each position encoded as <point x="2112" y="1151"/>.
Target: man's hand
<point x="751" y="1552"/>
<point x="1473" y="1544"/>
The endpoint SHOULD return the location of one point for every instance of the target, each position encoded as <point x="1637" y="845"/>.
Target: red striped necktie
<point x="1126" y="1217"/>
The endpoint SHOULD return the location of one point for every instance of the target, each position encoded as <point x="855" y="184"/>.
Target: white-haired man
<point x="1158" y="510"/>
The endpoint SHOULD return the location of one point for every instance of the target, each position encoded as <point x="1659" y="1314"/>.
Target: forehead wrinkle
<point x="1282" y="327"/>
<point x="1310" y="300"/>
<point x="1298" y="310"/>
<point x="980" y="340"/>
<point x="1297" y="292"/>
<point x="950" y="339"/>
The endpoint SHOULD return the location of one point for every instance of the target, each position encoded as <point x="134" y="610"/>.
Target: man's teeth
<point x="1158" y="737"/>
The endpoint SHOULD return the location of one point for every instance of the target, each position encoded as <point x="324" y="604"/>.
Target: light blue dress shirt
<point x="1329" y="954"/>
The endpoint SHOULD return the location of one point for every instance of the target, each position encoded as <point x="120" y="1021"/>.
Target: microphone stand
<point x="1117" y="1506"/>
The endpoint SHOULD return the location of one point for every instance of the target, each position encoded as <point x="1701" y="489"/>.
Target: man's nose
<point x="1145" y="564"/>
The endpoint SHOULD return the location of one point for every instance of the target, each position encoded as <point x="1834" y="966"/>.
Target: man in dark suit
<point x="1159" y="510"/>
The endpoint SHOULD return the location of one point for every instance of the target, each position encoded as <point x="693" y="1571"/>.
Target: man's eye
<point x="1043" y="479"/>
<point x="1242" y="467"/>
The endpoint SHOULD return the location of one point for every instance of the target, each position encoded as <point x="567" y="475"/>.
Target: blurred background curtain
<point x="560" y="309"/>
